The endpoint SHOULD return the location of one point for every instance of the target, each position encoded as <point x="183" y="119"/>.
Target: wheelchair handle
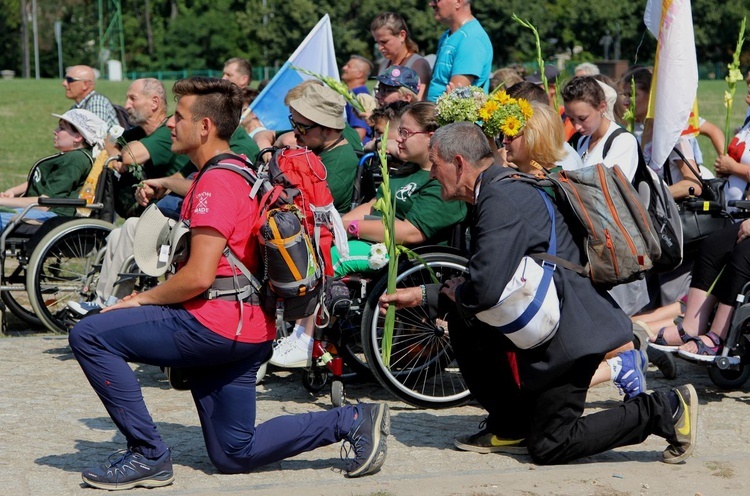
<point x="741" y="204"/>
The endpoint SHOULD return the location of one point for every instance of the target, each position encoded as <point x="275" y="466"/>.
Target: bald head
<point x="79" y="81"/>
<point x="146" y="101"/>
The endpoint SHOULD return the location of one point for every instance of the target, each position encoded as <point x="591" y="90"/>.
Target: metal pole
<point x="36" y="38"/>
<point x="58" y="38"/>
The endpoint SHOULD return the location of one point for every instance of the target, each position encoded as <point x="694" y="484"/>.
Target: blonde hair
<point x="544" y="135"/>
<point x="404" y="91"/>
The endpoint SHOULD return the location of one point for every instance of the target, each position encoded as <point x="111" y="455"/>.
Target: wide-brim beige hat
<point x="159" y="242"/>
<point x="321" y="105"/>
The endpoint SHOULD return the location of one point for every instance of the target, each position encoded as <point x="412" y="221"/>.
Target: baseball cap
<point x="399" y="75"/>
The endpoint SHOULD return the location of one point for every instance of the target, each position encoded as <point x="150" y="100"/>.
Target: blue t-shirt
<point x="354" y="120"/>
<point x="468" y="51"/>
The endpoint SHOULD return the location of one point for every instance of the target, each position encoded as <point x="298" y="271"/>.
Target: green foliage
<point x="201" y="34"/>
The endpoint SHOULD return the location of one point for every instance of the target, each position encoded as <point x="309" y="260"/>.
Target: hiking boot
<point x="664" y="361"/>
<point x="685" y="425"/>
<point x="631" y="380"/>
<point x="486" y="442"/>
<point x="127" y="469"/>
<point x="368" y="437"/>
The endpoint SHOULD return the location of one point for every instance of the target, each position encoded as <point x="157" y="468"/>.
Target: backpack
<point x="620" y="242"/>
<point x="660" y="207"/>
<point x="122" y="117"/>
<point x="295" y="229"/>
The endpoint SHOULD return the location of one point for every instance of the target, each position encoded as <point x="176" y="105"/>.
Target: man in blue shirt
<point x="464" y="54"/>
<point x="355" y="74"/>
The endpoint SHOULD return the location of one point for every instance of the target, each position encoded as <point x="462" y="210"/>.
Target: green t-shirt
<point x="418" y="200"/>
<point x="162" y="162"/>
<point x="341" y="164"/>
<point x="60" y="176"/>
<point x="240" y="143"/>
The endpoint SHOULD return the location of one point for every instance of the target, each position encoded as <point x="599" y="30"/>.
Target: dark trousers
<point x="551" y="418"/>
<point x="721" y="251"/>
<point x="222" y="385"/>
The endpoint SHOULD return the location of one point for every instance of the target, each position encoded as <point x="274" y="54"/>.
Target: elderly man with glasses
<point x="80" y="83"/>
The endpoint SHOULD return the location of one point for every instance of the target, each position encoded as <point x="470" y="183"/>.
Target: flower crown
<point x="496" y="113"/>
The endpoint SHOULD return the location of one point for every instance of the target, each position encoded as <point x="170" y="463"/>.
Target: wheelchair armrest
<point x="741" y="204"/>
<point x="61" y="202"/>
<point x="699" y="205"/>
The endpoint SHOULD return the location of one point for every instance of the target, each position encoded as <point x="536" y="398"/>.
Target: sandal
<point x="661" y="344"/>
<point x="705" y="352"/>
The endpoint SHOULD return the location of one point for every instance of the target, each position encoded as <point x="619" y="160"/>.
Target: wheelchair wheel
<point x="423" y="371"/>
<point x="23" y="312"/>
<point x="729" y="379"/>
<point x="64" y="267"/>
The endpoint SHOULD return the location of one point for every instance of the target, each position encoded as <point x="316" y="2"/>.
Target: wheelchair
<point x="422" y="370"/>
<point x="54" y="261"/>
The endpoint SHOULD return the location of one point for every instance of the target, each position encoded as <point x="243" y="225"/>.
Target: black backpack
<point x="122" y="117"/>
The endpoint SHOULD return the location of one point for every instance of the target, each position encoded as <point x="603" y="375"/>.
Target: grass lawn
<point x="26" y="124"/>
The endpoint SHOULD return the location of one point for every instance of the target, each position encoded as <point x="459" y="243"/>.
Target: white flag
<point x="316" y="54"/>
<point x="675" y="81"/>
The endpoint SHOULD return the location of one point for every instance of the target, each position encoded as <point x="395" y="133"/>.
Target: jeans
<point x="32" y="214"/>
<point x="222" y="385"/>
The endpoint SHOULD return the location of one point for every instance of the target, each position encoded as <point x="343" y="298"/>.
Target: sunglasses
<point x="73" y="80"/>
<point x="301" y="128"/>
<point x="385" y="89"/>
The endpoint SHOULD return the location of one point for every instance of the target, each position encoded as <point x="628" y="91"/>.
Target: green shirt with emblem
<point x="418" y="201"/>
<point x="60" y="176"/>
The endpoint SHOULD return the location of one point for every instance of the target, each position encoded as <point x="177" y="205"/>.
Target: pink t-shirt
<point x="221" y="201"/>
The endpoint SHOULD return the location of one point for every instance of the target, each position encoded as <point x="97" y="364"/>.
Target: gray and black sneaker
<point x="368" y="439"/>
<point x="128" y="469"/>
<point x="685" y="425"/>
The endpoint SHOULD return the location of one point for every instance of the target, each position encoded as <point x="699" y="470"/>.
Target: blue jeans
<point x="32" y="214"/>
<point x="222" y="385"/>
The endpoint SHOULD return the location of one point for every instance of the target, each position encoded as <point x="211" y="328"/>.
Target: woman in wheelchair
<point x="720" y="271"/>
<point x="60" y="175"/>
<point x="422" y="217"/>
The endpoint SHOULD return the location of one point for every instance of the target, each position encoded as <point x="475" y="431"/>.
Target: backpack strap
<point x="610" y="139"/>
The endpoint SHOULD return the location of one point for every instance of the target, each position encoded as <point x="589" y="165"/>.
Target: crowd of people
<point x="442" y="176"/>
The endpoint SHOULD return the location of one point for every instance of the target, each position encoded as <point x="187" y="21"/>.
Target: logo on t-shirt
<point x="202" y="198"/>
<point x="406" y="191"/>
<point x="37" y="176"/>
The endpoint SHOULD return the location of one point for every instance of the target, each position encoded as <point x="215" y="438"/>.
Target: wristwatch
<point x="353" y="228"/>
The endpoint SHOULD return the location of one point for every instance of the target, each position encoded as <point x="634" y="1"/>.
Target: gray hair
<point x="151" y="86"/>
<point x="461" y="138"/>
<point x="586" y="69"/>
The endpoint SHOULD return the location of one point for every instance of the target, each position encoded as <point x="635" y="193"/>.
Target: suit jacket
<point x="510" y="220"/>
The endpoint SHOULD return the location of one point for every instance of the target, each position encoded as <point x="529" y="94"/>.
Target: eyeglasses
<point x="73" y="80"/>
<point x="385" y="89"/>
<point x="405" y="134"/>
<point x="301" y="128"/>
<point x="510" y="139"/>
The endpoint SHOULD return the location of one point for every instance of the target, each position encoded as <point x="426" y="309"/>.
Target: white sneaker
<point x="292" y="353"/>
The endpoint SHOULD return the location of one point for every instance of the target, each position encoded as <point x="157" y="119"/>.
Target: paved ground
<point x="52" y="426"/>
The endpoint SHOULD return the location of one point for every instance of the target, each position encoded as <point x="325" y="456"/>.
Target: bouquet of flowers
<point x="495" y="114"/>
<point x="502" y="114"/>
<point x="461" y="104"/>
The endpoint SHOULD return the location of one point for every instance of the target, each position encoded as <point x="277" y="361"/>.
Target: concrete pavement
<point x="52" y="426"/>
